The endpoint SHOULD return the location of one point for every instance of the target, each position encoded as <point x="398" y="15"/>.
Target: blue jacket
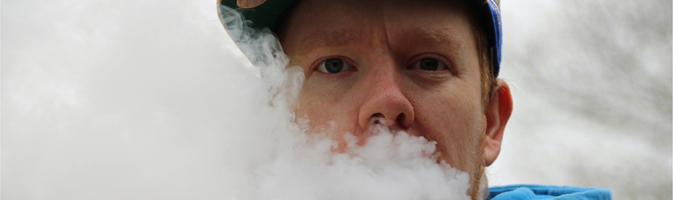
<point x="525" y="192"/>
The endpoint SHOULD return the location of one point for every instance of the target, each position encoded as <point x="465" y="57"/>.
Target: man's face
<point x="414" y="63"/>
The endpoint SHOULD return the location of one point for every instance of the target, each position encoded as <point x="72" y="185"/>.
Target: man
<point x="426" y="67"/>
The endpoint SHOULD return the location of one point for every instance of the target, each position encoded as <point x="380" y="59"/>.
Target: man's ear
<point x="497" y="113"/>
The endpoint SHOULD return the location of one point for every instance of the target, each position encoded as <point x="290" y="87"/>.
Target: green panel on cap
<point x="262" y="16"/>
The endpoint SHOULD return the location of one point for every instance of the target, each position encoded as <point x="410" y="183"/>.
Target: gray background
<point x="592" y="96"/>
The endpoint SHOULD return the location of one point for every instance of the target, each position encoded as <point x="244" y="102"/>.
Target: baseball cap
<point x="266" y="13"/>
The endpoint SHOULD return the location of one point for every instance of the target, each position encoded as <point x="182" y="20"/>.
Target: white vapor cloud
<point x="139" y="99"/>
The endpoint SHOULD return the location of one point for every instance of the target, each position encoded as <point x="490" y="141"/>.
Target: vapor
<point x="139" y="99"/>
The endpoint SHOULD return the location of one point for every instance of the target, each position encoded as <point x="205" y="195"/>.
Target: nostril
<point x="376" y="118"/>
<point x="400" y="119"/>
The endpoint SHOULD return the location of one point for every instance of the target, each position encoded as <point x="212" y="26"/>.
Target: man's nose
<point x="386" y="100"/>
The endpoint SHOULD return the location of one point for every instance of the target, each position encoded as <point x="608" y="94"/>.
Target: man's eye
<point x="429" y="64"/>
<point x="333" y="66"/>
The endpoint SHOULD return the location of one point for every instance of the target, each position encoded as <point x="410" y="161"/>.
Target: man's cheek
<point x="455" y="132"/>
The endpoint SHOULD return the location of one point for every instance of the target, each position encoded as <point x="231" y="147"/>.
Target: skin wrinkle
<point x="331" y="38"/>
<point x="444" y="40"/>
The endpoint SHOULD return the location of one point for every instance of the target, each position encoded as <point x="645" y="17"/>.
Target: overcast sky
<point x="592" y="95"/>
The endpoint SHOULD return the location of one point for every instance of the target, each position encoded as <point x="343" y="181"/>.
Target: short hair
<point x="479" y="27"/>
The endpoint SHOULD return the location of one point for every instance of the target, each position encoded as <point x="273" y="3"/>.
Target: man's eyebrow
<point x="338" y="37"/>
<point x="345" y="37"/>
<point x="440" y="37"/>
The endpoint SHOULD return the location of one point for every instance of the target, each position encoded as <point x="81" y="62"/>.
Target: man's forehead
<point x="332" y="23"/>
<point x="358" y="36"/>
